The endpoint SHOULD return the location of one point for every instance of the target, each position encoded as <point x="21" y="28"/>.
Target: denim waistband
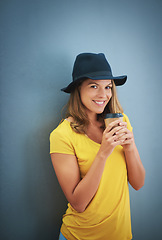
<point x="61" y="237"/>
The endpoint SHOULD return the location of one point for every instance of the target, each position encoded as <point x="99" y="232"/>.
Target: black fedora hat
<point x="93" y="66"/>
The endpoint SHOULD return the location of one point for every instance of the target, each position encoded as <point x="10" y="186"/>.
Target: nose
<point x="102" y="93"/>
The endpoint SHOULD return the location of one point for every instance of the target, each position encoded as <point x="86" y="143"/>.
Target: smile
<point x="99" y="102"/>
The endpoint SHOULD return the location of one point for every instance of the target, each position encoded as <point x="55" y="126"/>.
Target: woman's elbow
<point x="78" y="208"/>
<point x="138" y="186"/>
<point x="138" y="182"/>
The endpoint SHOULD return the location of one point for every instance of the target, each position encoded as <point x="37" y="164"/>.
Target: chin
<point x="99" y="112"/>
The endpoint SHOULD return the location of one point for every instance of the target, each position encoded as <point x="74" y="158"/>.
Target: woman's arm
<point x="136" y="171"/>
<point x="79" y="192"/>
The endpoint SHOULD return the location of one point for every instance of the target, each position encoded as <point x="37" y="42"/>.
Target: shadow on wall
<point x="43" y="195"/>
<point x="42" y="200"/>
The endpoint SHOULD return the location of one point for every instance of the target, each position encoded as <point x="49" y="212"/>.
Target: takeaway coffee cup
<point x="110" y="117"/>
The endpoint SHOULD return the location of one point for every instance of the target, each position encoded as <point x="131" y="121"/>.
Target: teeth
<point x="99" y="102"/>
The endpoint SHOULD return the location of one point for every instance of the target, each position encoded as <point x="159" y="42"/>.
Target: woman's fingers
<point x="112" y="125"/>
<point x="126" y="135"/>
<point x="127" y="141"/>
<point x="117" y="134"/>
<point x="114" y="139"/>
<point x="123" y="134"/>
<point x="124" y="124"/>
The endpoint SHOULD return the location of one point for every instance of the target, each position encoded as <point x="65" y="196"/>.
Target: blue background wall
<point x="39" y="41"/>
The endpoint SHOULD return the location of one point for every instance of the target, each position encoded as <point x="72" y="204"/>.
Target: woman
<point x="94" y="163"/>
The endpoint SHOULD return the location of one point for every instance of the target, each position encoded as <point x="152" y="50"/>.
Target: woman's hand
<point x="136" y="171"/>
<point x="113" y="135"/>
<point x="127" y="137"/>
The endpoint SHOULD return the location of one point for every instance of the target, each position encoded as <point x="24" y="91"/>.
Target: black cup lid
<point x="113" y="115"/>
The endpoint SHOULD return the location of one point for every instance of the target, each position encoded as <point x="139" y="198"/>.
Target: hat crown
<point x="89" y="63"/>
<point x="93" y="66"/>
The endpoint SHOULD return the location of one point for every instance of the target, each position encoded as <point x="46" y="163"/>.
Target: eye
<point x="93" y="86"/>
<point x="109" y="87"/>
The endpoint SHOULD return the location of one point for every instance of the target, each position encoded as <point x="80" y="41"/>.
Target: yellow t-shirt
<point x="107" y="217"/>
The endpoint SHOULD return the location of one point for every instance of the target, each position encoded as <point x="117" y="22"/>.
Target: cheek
<point x="83" y="97"/>
<point x="109" y="95"/>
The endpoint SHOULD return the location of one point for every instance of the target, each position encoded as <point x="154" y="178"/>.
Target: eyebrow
<point x="98" y="84"/>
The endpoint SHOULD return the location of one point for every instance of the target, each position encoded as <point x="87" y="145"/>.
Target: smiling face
<point x="95" y="95"/>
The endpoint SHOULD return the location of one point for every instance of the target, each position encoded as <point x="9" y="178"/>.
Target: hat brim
<point x="119" y="80"/>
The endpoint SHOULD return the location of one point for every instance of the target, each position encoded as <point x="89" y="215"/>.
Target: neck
<point x="92" y="118"/>
<point x="95" y="121"/>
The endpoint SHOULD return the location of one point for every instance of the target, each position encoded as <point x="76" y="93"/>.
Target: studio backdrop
<point x="39" y="40"/>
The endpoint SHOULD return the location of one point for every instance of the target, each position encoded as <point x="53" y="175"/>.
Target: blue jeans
<point x="61" y="237"/>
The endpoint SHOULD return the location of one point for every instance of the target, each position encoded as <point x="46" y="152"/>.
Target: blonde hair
<point x="113" y="105"/>
<point x="76" y="109"/>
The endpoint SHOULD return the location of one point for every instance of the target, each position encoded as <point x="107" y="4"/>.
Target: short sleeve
<point x="61" y="143"/>
<point x="126" y="119"/>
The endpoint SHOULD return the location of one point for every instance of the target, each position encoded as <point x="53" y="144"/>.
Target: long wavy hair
<point x="76" y="109"/>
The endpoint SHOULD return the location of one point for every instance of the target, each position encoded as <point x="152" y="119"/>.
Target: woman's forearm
<point x="136" y="171"/>
<point x="87" y="187"/>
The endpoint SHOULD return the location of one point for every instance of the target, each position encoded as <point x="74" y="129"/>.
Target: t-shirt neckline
<point x="86" y="135"/>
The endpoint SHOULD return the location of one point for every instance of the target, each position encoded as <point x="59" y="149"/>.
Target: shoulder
<point x="126" y="119"/>
<point x="63" y="129"/>
<point x="62" y="139"/>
